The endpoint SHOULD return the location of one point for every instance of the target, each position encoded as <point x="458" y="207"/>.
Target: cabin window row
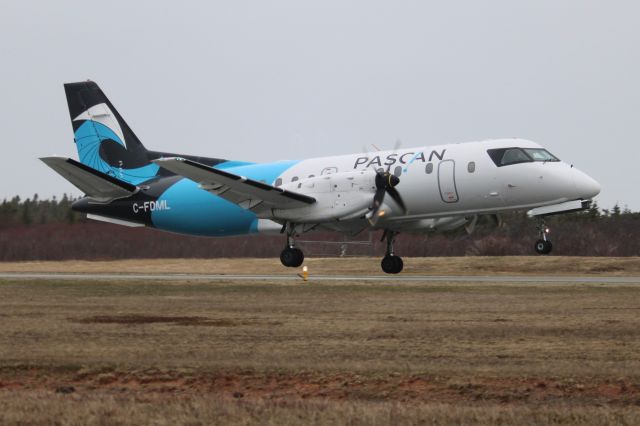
<point x="471" y="167"/>
<point x="397" y="171"/>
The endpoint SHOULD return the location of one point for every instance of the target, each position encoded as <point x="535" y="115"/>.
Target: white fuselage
<point x="445" y="181"/>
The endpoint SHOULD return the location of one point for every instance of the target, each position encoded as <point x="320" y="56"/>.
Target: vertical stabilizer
<point x="104" y="141"/>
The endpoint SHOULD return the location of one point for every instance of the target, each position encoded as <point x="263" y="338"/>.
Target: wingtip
<point x="52" y="159"/>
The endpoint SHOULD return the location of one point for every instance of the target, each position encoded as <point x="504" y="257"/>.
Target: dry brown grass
<point x="473" y="265"/>
<point x="321" y="353"/>
<point x="42" y="407"/>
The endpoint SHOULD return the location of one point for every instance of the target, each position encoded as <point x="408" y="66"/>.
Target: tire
<point x="299" y="258"/>
<point x="288" y="257"/>
<point x="399" y="264"/>
<point x="543" y="247"/>
<point x="388" y="264"/>
<point x="392" y="264"/>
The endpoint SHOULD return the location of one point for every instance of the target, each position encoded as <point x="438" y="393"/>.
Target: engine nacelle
<point x="339" y="196"/>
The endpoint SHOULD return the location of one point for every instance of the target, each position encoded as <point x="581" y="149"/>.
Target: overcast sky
<point x="269" y="80"/>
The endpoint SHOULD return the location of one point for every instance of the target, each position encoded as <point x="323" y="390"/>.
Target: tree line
<point x="29" y="211"/>
<point x="47" y="229"/>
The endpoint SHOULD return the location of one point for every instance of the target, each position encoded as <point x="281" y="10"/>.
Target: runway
<point x="295" y="277"/>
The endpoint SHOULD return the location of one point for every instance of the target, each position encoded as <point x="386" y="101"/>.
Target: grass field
<point x="74" y="352"/>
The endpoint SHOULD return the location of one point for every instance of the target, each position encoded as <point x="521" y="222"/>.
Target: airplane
<point x="412" y="190"/>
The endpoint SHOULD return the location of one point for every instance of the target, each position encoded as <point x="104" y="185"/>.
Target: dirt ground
<point x="473" y="265"/>
<point x="290" y="387"/>
<point x="286" y="352"/>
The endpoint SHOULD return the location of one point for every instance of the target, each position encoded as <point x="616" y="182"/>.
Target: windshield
<point x="508" y="156"/>
<point x="540" y="154"/>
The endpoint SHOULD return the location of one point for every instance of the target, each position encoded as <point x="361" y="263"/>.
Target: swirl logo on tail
<point x="102" y="114"/>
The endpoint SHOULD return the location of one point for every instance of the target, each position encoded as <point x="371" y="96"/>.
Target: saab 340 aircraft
<point x="430" y="188"/>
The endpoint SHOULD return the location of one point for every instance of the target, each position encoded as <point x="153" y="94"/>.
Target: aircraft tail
<point x="99" y="186"/>
<point x="104" y="141"/>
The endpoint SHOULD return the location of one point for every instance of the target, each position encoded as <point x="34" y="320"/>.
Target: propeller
<point x="385" y="184"/>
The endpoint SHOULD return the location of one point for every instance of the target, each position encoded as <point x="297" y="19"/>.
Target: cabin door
<point x="447" y="181"/>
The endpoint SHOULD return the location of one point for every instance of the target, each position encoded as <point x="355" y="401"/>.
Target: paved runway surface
<point x="292" y="277"/>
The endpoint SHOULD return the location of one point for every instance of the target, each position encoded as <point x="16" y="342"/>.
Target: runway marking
<point x="397" y="278"/>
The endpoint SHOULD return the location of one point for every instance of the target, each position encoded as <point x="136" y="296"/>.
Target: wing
<point x="247" y="193"/>
<point x="97" y="185"/>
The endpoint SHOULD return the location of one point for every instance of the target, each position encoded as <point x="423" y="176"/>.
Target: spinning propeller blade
<point x="385" y="184"/>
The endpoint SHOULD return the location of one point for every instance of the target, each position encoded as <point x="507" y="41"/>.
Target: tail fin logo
<point x="98" y="125"/>
<point x="101" y="113"/>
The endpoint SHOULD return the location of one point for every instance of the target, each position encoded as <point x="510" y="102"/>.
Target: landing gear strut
<point x="291" y="256"/>
<point x="391" y="264"/>
<point x="543" y="245"/>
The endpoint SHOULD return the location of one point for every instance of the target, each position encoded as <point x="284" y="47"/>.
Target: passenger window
<point x="471" y="167"/>
<point x="278" y="182"/>
<point x="429" y="168"/>
<point x="310" y="176"/>
<point x="397" y="171"/>
<point x="295" y="178"/>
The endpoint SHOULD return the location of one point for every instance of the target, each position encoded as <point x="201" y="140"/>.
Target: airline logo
<point x="102" y="114"/>
<point x="391" y="159"/>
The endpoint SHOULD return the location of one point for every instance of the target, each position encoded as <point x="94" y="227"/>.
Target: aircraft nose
<point x="586" y="186"/>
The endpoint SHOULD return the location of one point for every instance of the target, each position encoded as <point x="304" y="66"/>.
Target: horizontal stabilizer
<point x="97" y="185"/>
<point x="247" y="193"/>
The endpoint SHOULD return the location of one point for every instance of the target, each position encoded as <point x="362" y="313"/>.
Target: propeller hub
<point x="386" y="180"/>
<point x="385" y="183"/>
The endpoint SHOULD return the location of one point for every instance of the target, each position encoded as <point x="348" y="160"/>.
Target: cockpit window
<point x="540" y="154"/>
<point x="507" y="156"/>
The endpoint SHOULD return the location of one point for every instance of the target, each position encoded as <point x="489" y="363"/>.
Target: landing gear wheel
<point x="299" y="257"/>
<point x="292" y="257"/>
<point x="543" y="247"/>
<point x="392" y="264"/>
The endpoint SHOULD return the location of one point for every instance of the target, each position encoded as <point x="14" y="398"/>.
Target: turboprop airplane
<point x="413" y="190"/>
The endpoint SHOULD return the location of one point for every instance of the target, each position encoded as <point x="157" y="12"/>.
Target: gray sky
<point x="269" y="80"/>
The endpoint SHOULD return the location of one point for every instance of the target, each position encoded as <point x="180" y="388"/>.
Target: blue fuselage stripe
<point x="192" y="210"/>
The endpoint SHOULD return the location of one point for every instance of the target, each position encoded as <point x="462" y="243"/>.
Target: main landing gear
<point x="291" y="256"/>
<point x="391" y="264"/>
<point x="543" y="245"/>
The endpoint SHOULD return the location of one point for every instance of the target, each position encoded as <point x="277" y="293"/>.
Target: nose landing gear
<point x="291" y="256"/>
<point x="543" y="245"/>
<point x="391" y="264"/>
